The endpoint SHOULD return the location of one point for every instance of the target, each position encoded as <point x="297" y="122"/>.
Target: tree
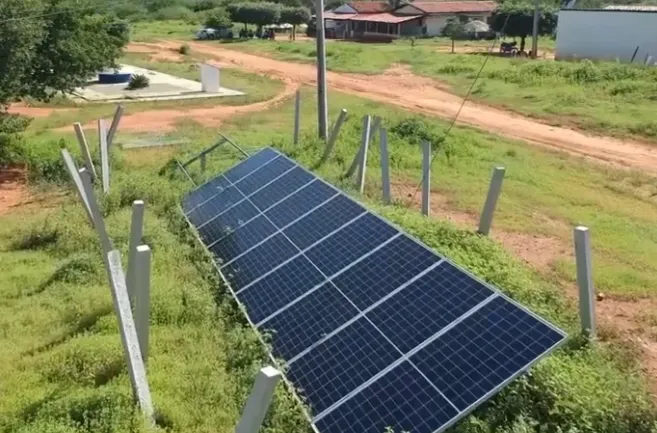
<point x="217" y="18"/>
<point x="517" y="20"/>
<point x="58" y="49"/>
<point x="295" y="16"/>
<point x="453" y="29"/>
<point x="259" y="14"/>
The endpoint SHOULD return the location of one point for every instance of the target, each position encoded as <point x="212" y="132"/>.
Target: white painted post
<point x="585" y="280"/>
<point x="259" y="400"/>
<point x="297" y="114"/>
<point x="104" y="155"/>
<point x="334" y="136"/>
<point x="426" y="177"/>
<point x="385" y="164"/>
<point x="359" y="155"/>
<point x="84" y="150"/>
<point x="203" y="161"/>
<point x="136" y="234"/>
<point x="142" y="297"/>
<point x="486" y="218"/>
<point x="115" y="125"/>
<point x="75" y="176"/>
<point x="376" y="124"/>
<point x="99" y="222"/>
<point x="136" y="368"/>
<point x="367" y="126"/>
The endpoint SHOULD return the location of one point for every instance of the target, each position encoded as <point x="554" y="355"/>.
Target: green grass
<point x="606" y="98"/>
<point x="148" y="31"/>
<point x="60" y="356"/>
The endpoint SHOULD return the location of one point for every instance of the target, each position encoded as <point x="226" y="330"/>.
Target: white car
<point x="207" y="34"/>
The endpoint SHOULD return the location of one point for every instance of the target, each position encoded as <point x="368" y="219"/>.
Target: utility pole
<point x="535" y="30"/>
<point x="322" y="110"/>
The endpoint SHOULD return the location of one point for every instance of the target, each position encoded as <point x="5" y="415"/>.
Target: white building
<point x="616" y="32"/>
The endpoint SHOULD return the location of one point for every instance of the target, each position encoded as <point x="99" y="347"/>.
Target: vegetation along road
<point x="400" y="87"/>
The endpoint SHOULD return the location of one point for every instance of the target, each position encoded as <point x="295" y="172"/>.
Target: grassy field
<point x="606" y="98"/>
<point x="60" y="359"/>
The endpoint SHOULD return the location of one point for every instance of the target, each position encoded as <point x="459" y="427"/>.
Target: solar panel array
<point x="376" y="329"/>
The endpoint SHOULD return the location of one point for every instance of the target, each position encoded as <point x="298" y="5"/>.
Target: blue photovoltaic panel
<point x="432" y="302"/>
<point x="242" y="239"/>
<point x="251" y="164"/>
<point x="385" y="270"/>
<point x="329" y="217"/>
<point x="402" y="400"/>
<point x="214" y="206"/>
<point x="281" y="188"/>
<point x="227" y="222"/>
<point x="483" y="351"/>
<point x="259" y="260"/>
<point x="306" y="199"/>
<point x="277" y="289"/>
<point x="308" y="320"/>
<point x="377" y="330"/>
<point x="341" y="364"/>
<point x="264" y="175"/>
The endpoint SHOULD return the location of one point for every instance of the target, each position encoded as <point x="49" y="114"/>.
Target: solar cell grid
<point x="217" y="204"/>
<point x="242" y="239"/>
<point x="250" y="164"/>
<point x="227" y="222"/>
<point x="204" y="192"/>
<point x="306" y="199"/>
<point x="264" y="175"/>
<point x="284" y="186"/>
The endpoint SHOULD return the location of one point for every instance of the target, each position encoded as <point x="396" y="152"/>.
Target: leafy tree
<point x="259" y="14"/>
<point x="295" y="16"/>
<point x="205" y="5"/>
<point x="517" y="20"/>
<point x="453" y="29"/>
<point x="217" y="18"/>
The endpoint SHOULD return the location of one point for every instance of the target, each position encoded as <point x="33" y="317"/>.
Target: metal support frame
<point x="104" y="155"/>
<point x="142" y="297"/>
<point x="335" y="132"/>
<point x="258" y="401"/>
<point x="136" y="234"/>
<point x="385" y="165"/>
<point x="234" y="145"/>
<point x="297" y="115"/>
<point x="77" y="180"/>
<point x="486" y="218"/>
<point x="367" y="123"/>
<point x="129" y="340"/>
<point x="185" y="172"/>
<point x="84" y="150"/>
<point x="426" y="177"/>
<point x="202" y="154"/>
<point x="585" y="280"/>
<point x="99" y="222"/>
<point x="115" y="125"/>
<point x="367" y="127"/>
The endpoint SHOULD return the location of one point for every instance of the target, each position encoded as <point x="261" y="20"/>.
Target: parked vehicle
<point x="210" y="34"/>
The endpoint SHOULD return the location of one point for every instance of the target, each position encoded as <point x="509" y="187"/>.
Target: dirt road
<point x="400" y="87"/>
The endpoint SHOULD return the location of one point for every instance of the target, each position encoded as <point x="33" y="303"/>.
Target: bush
<point x="184" y="49"/>
<point x="174" y="13"/>
<point x="217" y="18"/>
<point x="138" y="81"/>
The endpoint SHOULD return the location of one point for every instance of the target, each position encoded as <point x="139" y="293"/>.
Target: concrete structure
<point x="210" y="79"/>
<point x="376" y="20"/>
<point x="607" y="34"/>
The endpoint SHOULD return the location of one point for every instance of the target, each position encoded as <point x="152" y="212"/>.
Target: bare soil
<point x="402" y="88"/>
<point x="13" y="189"/>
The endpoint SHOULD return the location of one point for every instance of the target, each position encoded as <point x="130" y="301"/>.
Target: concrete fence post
<point x="385" y="164"/>
<point x="115" y="125"/>
<point x="136" y="234"/>
<point x="77" y="180"/>
<point x="297" y="115"/>
<point x="142" y="297"/>
<point x="362" y="166"/>
<point x="99" y="222"/>
<point x="426" y="177"/>
<point x="585" y="280"/>
<point x="203" y="160"/>
<point x="104" y="155"/>
<point x="486" y="218"/>
<point x="335" y="132"/>
<point x="258" y="401"/>
<point x="84" y="150"/>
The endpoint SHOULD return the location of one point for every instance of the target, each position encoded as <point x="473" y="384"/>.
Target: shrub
<point x="138" y="81"/>
<point x="217" y="18"/>
<point x="174" y="13"/>
<point x="184" y="49"/>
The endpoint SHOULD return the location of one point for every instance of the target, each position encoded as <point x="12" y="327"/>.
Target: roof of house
<point x="635" y="8"/>
<point x="385" y="17"/>
<point x="442" y="7"/>
<point x="364" y="7"/>
<point x="338" y="17"/>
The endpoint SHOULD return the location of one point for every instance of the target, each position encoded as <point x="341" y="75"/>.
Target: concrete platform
<point x="162" y="87"/>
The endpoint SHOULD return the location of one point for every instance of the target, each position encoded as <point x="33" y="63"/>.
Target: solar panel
<point x="376" y="329"/>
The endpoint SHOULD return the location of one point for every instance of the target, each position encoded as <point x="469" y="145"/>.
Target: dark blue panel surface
<point x="428" y="305"/>
<point x="264" y="175"/>
<point x="340" y="364"/>
<point x="227" y="222"/>
<point x="281" y="188"/>
<point x="251" y="164"/>
<point x="323" y="220"/>
<point x="382" y="272"/>
<point x="242" y="239"/>
<point x="204" y="192"/>
<point x="484" y="350"/>
<point x="402" y="399"/>
<point x="308" y="320"/>
<point x="350" y="243"/>
<point x="279" y="288"/>
<point x="214" y="206"/>
<point x="303" y="201"/>
<point x="258" y="261"/>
